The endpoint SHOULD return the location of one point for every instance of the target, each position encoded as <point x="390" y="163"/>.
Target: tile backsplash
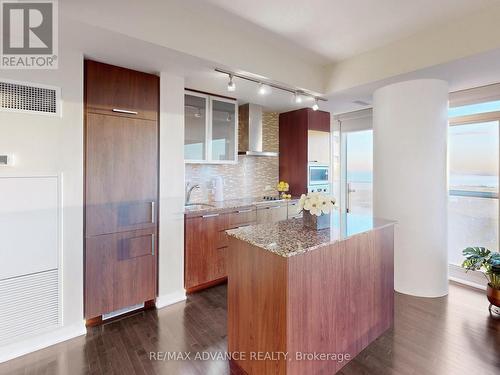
<point x="251" y="177"/>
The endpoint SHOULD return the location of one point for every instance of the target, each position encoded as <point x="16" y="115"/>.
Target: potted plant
<point x="316" y="208"/>
<point x="480" y="258"/>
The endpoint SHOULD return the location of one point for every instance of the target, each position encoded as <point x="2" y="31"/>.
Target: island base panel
<point x="335" y="299"/>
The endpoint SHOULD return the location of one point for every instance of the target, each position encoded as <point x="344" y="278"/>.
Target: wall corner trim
<point x="170" y="299"/>
<point x="41" y="341"/>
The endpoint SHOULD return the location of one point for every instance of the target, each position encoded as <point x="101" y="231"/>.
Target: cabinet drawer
<point x="272" y="214"/>
<point x="122" y="92"/>
<point x="120" y="271"/>
<point x="293" y="211"/>
<point x="241" y="217"/>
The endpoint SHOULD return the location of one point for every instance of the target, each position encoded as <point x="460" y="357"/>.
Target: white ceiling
<point x="338" y="29"/>
<point x="115" y="48"/>
<point x="474" y="71"/>
<point x="118" y="49"/>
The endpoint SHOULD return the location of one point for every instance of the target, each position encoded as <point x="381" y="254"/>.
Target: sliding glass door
<point x="355" y="162"/>
<point x="359" y="172"/>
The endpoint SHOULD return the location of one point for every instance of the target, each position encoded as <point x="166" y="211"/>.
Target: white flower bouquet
<point x="316" y="208"/>
<point x="316" y="203"/>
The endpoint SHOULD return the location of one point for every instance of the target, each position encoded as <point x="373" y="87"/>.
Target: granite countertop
<point x="289" y="238"/>
<point x="227" y="205"/>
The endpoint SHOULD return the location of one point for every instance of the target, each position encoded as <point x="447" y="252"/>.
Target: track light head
<point x="298" y="98"/>
<point x="230" y="85"/>
<point x="315" y="106"/>
<point x="264" y="89"/>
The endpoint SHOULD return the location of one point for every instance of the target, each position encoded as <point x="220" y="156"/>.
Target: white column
<point x="171" y="211"/>
<point x="410" y="126"/>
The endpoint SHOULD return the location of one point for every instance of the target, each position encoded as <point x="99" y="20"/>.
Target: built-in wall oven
<point x="318" y="178"/>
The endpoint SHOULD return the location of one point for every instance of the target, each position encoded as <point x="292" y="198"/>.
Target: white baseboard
<point x="41" y="341"/>
<point x="474" y="279"/>
<point x="171" y="298"/>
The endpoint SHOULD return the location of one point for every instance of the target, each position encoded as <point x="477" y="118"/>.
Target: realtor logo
<point x="29" y="34"/>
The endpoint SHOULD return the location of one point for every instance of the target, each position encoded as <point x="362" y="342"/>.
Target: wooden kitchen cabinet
<point x="122" y="164"/>
<point x="121" y="92"/>
<point x="202" y="263"/>
<point x="205" y="247"/>
<point x="294" y="128"/>
<point x="120" y="270"/>
<point x="121" y="188"/>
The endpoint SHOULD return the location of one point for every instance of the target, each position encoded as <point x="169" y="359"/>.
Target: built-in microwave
<point x="318" y="174"/>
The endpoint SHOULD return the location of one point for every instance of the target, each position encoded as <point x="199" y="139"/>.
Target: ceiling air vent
<point x="29" y="98"/>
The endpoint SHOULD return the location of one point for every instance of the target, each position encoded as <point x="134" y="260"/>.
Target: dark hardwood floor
<point x="450" y="335"/>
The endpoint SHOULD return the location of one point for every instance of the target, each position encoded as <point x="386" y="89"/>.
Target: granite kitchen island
<point x="302" y="301"/>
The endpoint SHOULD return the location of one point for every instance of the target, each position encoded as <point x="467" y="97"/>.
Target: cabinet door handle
<point x="153" y="244"/>
<point x="243" y="211"/>
<point x="273" y="207"/>
<point x="153" y="212"/>
<point x="125" y="111"/>
<point x="211" y="215"/>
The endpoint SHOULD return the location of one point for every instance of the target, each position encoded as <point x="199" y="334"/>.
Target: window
<point x="474" y="109"/>
<point x="473" y="183"/>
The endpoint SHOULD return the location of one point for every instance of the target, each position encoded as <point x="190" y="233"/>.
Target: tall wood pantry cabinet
<point x="121" y="188"/>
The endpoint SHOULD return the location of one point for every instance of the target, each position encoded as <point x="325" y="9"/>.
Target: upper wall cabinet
<point x="211" y="129"/>
<point x="121" y="92"/>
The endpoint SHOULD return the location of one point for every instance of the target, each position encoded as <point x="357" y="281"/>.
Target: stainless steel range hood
<point x="251" y="131"/>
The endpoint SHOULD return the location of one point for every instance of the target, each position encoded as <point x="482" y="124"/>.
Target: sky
<point x="360" y="151"/>
<point x="473" y="148"/>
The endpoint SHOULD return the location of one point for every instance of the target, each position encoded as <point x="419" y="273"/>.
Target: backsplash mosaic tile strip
<point x="249" y="178"/>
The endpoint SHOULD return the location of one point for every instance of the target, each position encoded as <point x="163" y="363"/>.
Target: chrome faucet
<point x="189" y="190"/>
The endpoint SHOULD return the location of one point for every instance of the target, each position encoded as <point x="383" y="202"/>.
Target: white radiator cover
<point x="29" y="305"/>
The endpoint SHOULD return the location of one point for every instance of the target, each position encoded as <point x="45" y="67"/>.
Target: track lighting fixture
<point x="264" y="89"/>
<point x="230" y="85"/>
<point x="315" y="106"/>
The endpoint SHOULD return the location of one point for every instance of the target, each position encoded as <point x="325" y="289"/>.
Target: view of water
<point x="460" y="180"/>
<point x="456" y="180"/>
<point x="359" y="176"/>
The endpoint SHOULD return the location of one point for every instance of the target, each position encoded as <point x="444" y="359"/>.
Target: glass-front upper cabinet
<point x="224" y="124"/>
<point x="211" y="129"/>
<point x="195" y="126"/>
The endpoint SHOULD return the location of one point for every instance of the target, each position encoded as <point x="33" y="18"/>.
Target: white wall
<point x="410" y="131"/>
<point x="171" y="235"/>
<point x="45" y="145"/>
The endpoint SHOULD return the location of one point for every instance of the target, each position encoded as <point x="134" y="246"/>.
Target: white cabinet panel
<point x="28" y="225"/>
<point x="318" y="147"/>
